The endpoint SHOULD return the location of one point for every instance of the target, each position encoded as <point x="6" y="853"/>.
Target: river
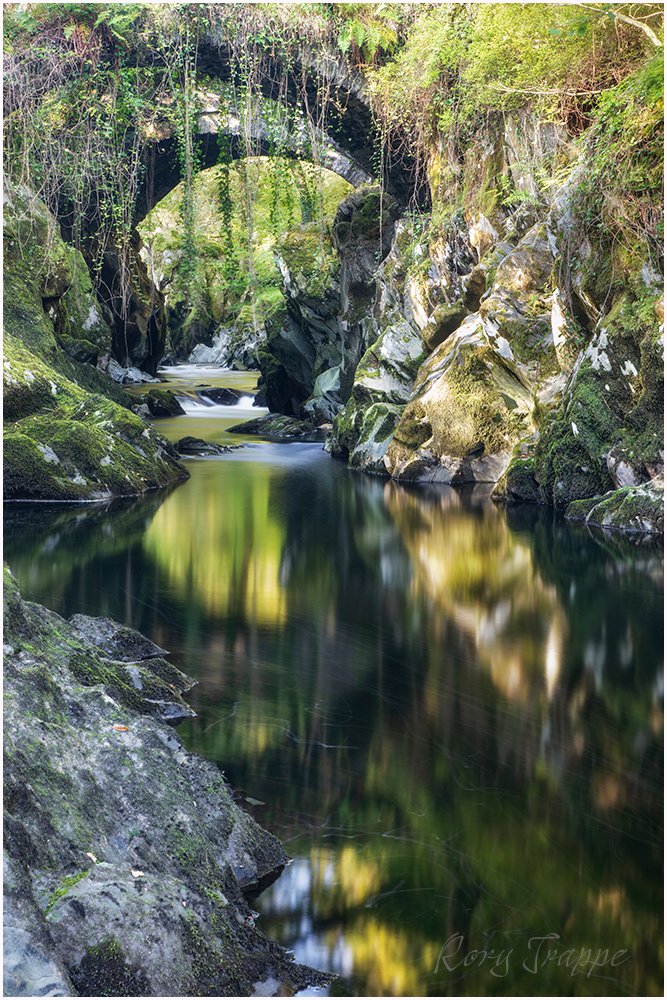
<point x="450" y="713"/>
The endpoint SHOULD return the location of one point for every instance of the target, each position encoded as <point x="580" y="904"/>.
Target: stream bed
<point x="449" y="712"/>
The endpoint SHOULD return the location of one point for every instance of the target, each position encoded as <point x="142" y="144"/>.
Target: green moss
<point x="518" y="483"/>
<point x="311" y="259"/>
<point x="414" y="428"/>
<point x="63" y="439"/>
<point x="91" y="670"/>
<point x="105" y="972"/>
<point x="638" y="509"/>
<point x="63" y="888"/>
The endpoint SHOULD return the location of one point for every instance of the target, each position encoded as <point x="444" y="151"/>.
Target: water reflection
<point x="450" y="713"/>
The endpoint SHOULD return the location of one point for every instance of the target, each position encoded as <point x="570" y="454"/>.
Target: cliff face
<point x="514" y="334"/>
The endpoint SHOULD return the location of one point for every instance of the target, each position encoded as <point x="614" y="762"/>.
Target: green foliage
<point x="368" y="31"/>
<point x="230" y="267"/>
<point x="620" y="196"/>
<point x="461" y="62"/>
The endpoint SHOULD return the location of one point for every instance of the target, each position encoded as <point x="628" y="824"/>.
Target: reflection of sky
<point x="291" y="899"/>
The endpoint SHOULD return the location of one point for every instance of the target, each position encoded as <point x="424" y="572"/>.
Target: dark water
<point x="450" y="714"/>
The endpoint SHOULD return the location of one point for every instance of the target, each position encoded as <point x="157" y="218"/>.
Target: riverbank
<point x="128" y="864"/>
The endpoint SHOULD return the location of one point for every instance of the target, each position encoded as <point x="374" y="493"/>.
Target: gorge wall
<point x="507" y="339"/>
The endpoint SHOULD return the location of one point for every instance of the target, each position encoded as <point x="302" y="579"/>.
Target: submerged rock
<point x="127" y="857"/>
<point x="280" y="428"/>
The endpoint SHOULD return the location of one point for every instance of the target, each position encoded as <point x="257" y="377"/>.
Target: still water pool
<point x="450" y="713"/>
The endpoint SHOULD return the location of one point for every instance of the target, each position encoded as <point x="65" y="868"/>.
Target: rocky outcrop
<point x="231" y="347"/>
<point x="126" y="858"/>
<point x="514" y="343"/>
<point x="69" y="432"/>
<point x="309" y="361"/>
<point x="476" y="395"/>
<point x="385" y="374"/>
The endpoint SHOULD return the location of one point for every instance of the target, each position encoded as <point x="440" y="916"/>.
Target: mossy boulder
<point x="161" y="403"/>
<point x="362" y="435"/>
<point x="632" y="509"/>
<point x="610" y="422"/>
<point x="279" y="427"/>
<point x="469" y="408"/>
<point x="518" y="483"/>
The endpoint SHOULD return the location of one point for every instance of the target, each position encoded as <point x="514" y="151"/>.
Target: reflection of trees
<point x="57" y="550"/>
<point x="449" y="709"/>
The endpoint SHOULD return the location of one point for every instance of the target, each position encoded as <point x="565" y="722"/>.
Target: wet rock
<point x="116" y="641"/>
<point x="127" y="375"/>
<point x="128" y="857"/>
<point x="161" y="403"/>
<point x="518" y="484"/>
<point x="222" y="395"/>
<point x="631" y="509"/>
<point x="197" y="446"/>
<point x="278" y="427"/>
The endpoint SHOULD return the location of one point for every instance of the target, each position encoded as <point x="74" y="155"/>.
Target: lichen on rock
<point x="127" y="857"/>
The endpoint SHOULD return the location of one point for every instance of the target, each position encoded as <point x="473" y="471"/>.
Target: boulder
<point x="222" y="395"/>
<point x="129" y="375"/>
<point x="196" y="446"/>
<point x="469" y="408"/>
<point x="161" y="403"/>
<point x="631" y="509"/>
<point x="127" y="856"/>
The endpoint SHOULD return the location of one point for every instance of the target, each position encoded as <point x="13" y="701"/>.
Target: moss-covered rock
<point x="116" y="838"/>
<point x="470" y="407"/>
<point x="279" y="427"/>
<point x="68" y="432"/>
<point x="161" y="403"/>
<point x="610" y="421"/>
<point x="518" y="483"/>
<point x="633" y="509"/>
